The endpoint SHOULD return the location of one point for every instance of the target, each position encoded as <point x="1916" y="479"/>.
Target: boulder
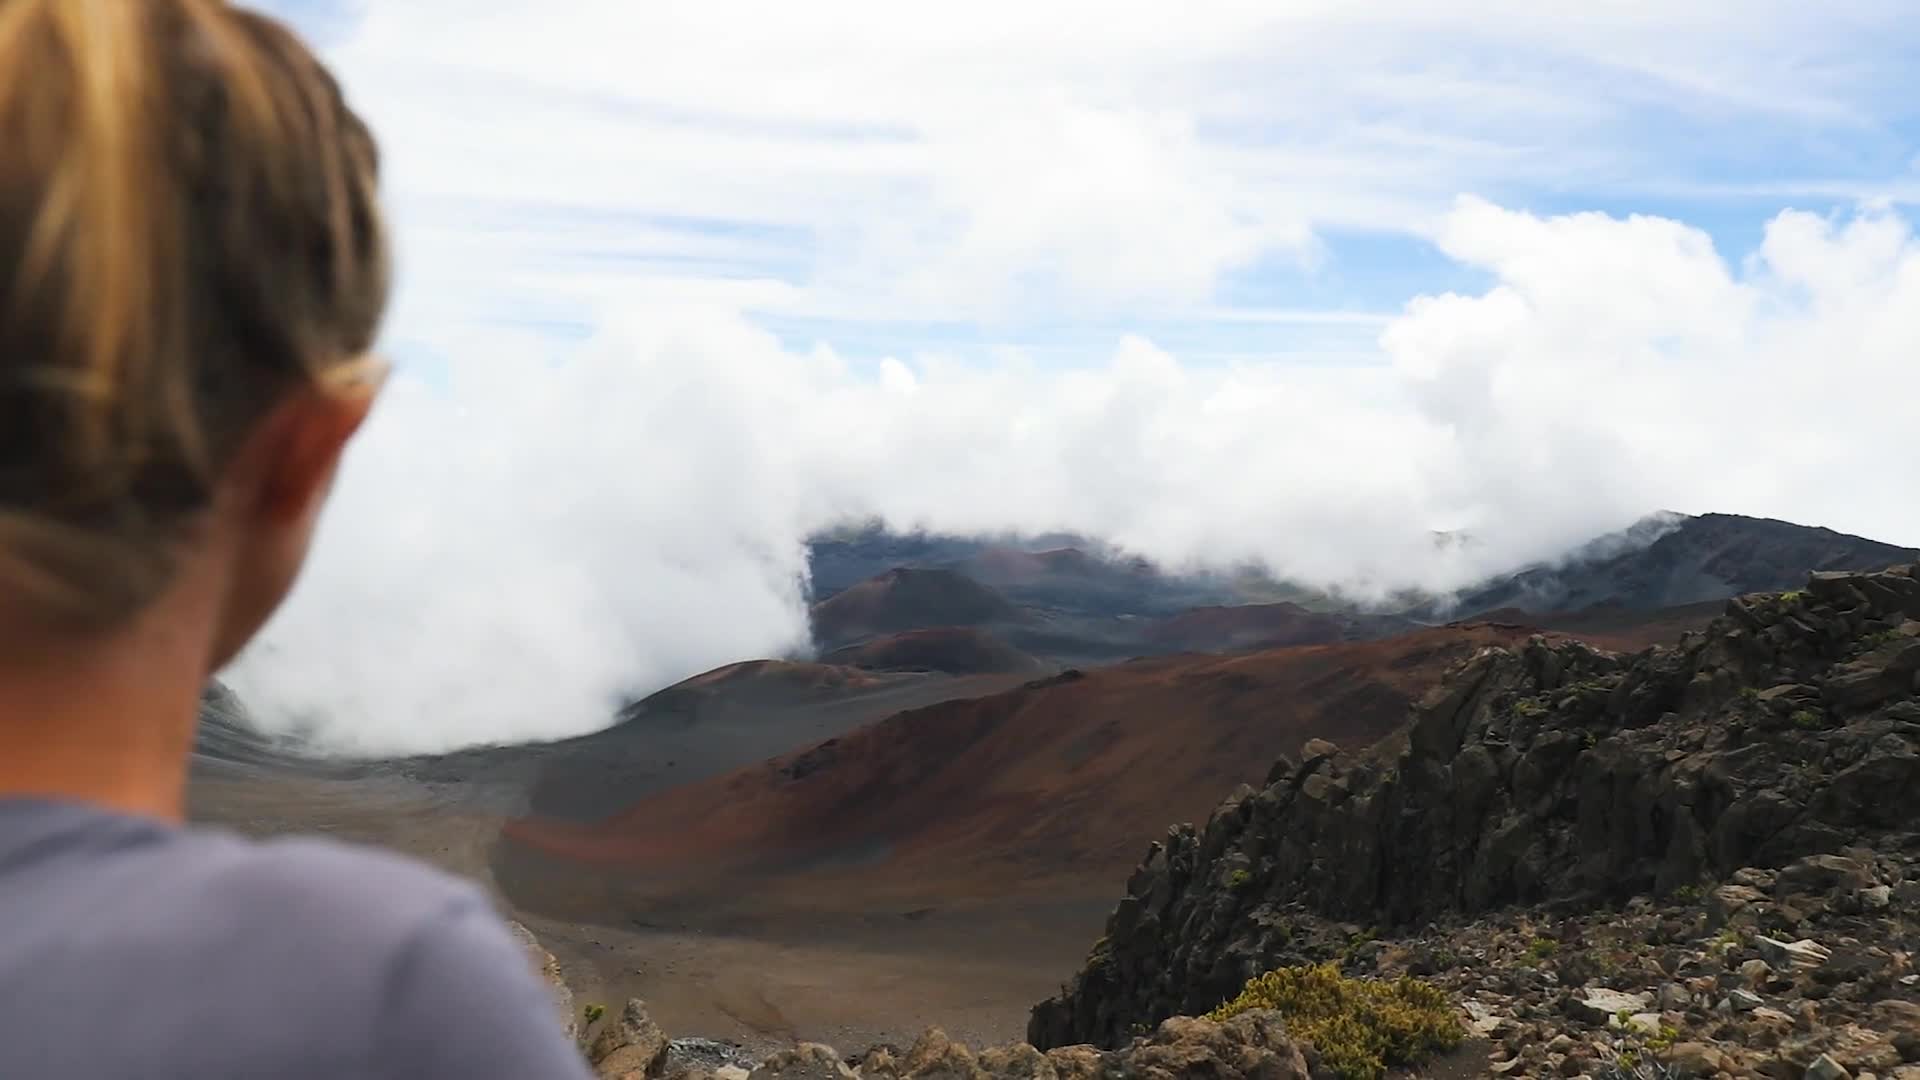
<point x="1252" y="1044"/>
<point x="1079" y="1062"/>
<point x="630" y="1045"/>
<point x="1728" y="901"/>
<point x="936" y="1057"/>
<point x="1696" y="1059"/>
<point x="1825" y="1068"/>
<point x="808" y="1061"/>
<point x="1822" y="874"/>
<point x="1017" y="1062"/>
<point x="1792" y="955"/>
<point x="1861" y="684"/>
<point x="1599" y="1005"/>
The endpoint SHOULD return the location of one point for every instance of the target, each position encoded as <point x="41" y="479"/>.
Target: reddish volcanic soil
<point x="1247" y="626"/>
<point x="1053" y="789"/>
<point x="785" y="682"/>
<point x="904" y="599"/>
<point x="955" y="650"/>
<point x="947" y="864"/>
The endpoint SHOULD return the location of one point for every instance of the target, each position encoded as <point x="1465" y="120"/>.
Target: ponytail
<point x="188" y="223"/>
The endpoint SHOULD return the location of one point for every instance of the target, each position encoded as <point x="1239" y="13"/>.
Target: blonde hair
<point x="188" y="225"/>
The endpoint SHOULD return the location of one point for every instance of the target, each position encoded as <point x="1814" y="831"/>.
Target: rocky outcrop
<point x="1551" y="775"/>
<point x="1762" y="976"/>
<point x="630" y="1046"/>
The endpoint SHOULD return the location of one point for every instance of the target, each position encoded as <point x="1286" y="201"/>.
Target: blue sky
<point x="1305" y="154"/>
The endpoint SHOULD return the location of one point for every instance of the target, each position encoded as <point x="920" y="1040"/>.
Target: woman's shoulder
<point x="412" y="945"/>
<point x="350" y="920"/>
<point x="242" y="956"/>
<point x="336" y="884"/>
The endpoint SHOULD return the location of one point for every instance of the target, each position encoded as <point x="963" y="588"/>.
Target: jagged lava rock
<point x="1554" y="775"/>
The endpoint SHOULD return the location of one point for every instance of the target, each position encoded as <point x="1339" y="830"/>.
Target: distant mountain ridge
<point x="1085" y="603"/>
<point x="1668" y="560"/>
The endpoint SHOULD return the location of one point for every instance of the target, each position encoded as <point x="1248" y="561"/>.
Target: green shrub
<point x="1807" y="720"/>
<point x="1239" y="879"/>
<point x="1530" y="707"/>
<point x="1361" y="1027"/>
<point x="1542" y="947"/>
<point x="595" y="1011"/>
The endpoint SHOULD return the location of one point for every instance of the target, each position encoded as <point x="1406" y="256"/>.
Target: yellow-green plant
<point x="1360" y="1027"/>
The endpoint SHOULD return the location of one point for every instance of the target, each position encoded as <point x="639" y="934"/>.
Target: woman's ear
<point x="294" y="452"/>
<point x="272" y="495"/>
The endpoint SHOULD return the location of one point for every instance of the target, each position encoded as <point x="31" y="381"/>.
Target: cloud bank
<point x="535" y="527"/>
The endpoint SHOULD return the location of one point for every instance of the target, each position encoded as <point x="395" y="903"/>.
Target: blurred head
<point x="192" y="269"/>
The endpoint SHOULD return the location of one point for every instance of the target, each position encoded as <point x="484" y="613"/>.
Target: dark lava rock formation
<point x="1551" y="776"/>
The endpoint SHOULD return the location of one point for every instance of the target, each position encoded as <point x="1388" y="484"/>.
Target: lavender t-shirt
<point x="132" y="949"/>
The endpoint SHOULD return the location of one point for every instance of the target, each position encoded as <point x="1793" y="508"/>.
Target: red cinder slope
<point x="907" y="599"/>
<point x="1059" y="782"/>
<point x="1247" y="626"/>
<point x="956" y="650"/>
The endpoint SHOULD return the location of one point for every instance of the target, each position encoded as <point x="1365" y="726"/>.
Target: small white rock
<point x="1805" y="953"/>
<point x="1599" y="1005"/>
<point x="1825" y="1068"/>
<point x="1647" y="1023"/>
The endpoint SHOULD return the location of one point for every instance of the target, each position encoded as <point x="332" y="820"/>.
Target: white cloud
<point x="532" y="526"/>
<point x="513" y="550"/>
<point x="1002" y="159"/>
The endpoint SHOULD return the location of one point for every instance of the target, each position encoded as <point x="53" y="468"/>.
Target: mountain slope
<point x="1046" y="787"/>
<point x="953" y="650"/>
<point x="1239" y="627"/>
<point x="1693" y="559"/>
<point x="906" y="599"/>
